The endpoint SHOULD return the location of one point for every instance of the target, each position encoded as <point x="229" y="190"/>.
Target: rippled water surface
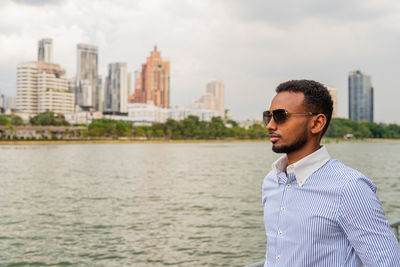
<point x="172" y="204"/>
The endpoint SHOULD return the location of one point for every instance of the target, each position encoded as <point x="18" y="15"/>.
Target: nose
<point x="271" y="126"/>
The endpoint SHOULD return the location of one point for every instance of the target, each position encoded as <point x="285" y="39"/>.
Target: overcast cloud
<point x="252" y="45"/>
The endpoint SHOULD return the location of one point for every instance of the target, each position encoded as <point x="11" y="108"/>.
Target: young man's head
<point x="299" y="115"/>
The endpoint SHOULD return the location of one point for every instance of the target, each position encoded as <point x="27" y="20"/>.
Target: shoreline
<point x="144" y="141"/>
<point x="129" y="141"/>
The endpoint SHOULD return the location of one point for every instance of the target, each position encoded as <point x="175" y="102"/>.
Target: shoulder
<point x="357" y="192"/>
<point x="345" y="177"/>
<point x="270" y="179"/>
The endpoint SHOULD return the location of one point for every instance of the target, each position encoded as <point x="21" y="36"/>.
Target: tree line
<point x="43" y="119"/>
<point x="341" y="127"/>
<point x="193" y="128"/>
<point x="189" y="128"/>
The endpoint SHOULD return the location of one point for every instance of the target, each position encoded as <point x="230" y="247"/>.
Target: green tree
<point x="49" y="118"/>
<point x="4" y="120"/>
<point x="16" y="120"/>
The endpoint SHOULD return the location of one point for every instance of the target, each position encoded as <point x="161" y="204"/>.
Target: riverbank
<point x="122" y="141"/>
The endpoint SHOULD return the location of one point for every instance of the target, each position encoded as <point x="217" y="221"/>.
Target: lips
<point x="274" y="137"/>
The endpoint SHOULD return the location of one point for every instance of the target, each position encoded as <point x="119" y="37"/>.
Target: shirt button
<point x="278" y="258"/>
<point x="287" y="185"/>
<point x="280" y="233"/>
<point x="283" y="208"/>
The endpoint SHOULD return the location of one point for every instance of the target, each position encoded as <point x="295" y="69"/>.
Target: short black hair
<point x="316" y="97"/>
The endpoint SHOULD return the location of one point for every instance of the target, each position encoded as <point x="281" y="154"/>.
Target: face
<point x="292" y="134"/>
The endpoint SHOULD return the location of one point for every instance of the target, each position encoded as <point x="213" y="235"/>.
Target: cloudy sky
<point x="252" y="45"/>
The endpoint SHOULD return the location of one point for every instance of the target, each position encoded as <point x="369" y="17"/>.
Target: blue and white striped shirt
<point x="323" y="213"/>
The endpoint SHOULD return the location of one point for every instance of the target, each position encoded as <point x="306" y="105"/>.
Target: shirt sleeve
<point x="362" y="219"/>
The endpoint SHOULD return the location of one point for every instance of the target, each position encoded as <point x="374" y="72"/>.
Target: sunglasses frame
<point x="273" y="114"/>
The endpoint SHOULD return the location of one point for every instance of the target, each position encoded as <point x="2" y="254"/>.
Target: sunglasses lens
<point x="279" y="115"/>
<point x="267" y="115"/>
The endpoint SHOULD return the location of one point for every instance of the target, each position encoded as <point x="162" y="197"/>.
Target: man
<point x="317" y="211"/>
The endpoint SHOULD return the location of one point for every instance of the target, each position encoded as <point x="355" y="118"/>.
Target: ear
<point x="318" y="123"/>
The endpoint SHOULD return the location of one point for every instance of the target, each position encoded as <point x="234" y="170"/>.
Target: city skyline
<point x="252" y="48"/>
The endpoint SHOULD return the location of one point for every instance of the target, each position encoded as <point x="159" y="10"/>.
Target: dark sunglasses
<point x="280" y="115"/>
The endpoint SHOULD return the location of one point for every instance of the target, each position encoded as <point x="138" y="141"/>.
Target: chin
<point x="279" y="148"/>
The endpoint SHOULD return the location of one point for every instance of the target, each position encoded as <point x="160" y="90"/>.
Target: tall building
<point x="333" y="93"/>
<point x="153" y="82"/>
<point x="100" y="94"/>
<point x="116" y="89"/>
<point x="43" y="86"/>
<point x="361" y="97"/>
<point x="11" y="103"/>
<point x="72" y="88"/>
<point x="208" y="101"/>
<point x="45" y="50"/>
<point x="87" y="88"/>
<point x="2" y="103"/>
<point x="216" y="87"/>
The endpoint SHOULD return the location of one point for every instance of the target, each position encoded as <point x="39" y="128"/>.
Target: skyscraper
<point x="216" y="87"/>
<point x="154" y="83"/>
<point x="116" y="89"/>
<point x="45" y="50"/>
<point x="87" y="88"/>
<point x="361" y="97"/>
<point x="2" y="103"/>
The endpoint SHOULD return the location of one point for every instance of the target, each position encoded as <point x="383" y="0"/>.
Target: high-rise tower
<point x="154" y="83"/>
<point x="116" y="89"/>
<point x="361" y="97"/>
<point x="87" y="88"/>
<point x="45" y="50"/>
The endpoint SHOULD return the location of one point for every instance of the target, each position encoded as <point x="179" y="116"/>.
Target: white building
<point x="42" y="86"/>
<point x="147" y="114"/>
<point x="83" y="117"/>
<point x="180" y="113"/>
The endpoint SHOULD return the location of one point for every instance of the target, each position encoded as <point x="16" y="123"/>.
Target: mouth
<point x="274" y="138"/>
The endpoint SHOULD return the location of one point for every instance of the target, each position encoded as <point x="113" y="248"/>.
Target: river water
<point x="159" y="204"/>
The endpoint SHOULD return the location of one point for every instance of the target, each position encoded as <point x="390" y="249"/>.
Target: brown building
<point x="152" y="82"/>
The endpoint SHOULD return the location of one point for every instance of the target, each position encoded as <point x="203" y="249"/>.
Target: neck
<point x="306" y="150"/>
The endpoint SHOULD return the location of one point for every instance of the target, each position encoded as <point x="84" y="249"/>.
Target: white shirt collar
<point x="303" y="168"/>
